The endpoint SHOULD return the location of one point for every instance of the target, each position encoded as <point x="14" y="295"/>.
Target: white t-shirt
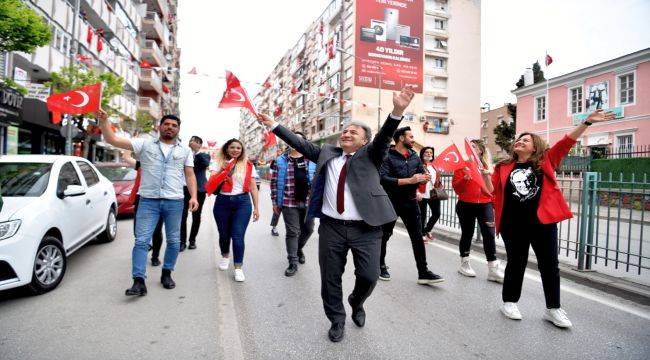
<point x="137" y="145"/>
<point x="238" y="183"/>
<point x="430" y="183"/>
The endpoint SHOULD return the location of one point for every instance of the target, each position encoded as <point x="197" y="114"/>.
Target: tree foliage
<point x="21" y="29"/>
<point x="73" y="77"/>
<point x="505" y="132"/>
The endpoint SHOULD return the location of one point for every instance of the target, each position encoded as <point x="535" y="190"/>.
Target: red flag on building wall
<point x="165" y="89"/>
<point x="449" y="159"/>
<point x="235" y="95"/>
<point x="100" y="44"/>
<point x="267" y="85"/>
<point x="89" y="35"/>
<point x="80" y="101"/>
<point x="330" y="48"/>
<point x="144" y="64"/>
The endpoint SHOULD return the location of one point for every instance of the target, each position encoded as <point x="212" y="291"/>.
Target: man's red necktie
<point x="340" y="189"/>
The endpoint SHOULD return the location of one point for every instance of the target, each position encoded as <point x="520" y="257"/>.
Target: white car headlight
<point x="9" y="228"/>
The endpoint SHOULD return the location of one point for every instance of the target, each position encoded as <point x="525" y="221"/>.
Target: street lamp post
<point x="378" y="89"/>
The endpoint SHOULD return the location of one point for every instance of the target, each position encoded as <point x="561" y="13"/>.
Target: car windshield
<point x="24" y="179"/>
<point x="118" y="173"/>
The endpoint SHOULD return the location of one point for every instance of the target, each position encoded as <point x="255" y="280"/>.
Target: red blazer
<point x="468" y="190"/>
<point x="552" y="207"/>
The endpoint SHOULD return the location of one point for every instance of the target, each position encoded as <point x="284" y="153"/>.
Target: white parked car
<point x="53" y="205"/>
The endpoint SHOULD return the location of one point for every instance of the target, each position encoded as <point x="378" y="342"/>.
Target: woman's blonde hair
<point x="486" y="157"/>
<point x="536" y="157"/>
<point x="223" y="158"/>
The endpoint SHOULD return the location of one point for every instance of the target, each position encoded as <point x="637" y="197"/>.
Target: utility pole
<point x="74" y="47"/>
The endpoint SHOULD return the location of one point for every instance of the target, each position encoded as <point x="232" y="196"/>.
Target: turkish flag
<point x="235" y="95"/>
<point x="475" y="166"/>
<point x="144" y="64"/>
<point x="449" y="159"/>
<point x="165" y="89"/>
<point x="80" y="101"/>
<point x="548" y="60"/>
<point x="472" y="155"/>
<point x="269" y="139"/>
<point x="56" y="117"/>
<point x="100" y="44"/>
<point x="89" y="35"/>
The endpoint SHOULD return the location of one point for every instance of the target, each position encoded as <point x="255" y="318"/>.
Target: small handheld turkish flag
<point x="472" y="155"/>
<point x="269" y="139"/>
<point x="449" y="159"/>
<point x="475" y="165"/>
<point x="80" y="101"/>
<point x="235" y="95"/>
<point x="548" y="60"/>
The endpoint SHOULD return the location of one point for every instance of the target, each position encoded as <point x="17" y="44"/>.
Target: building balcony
<point x="152" y="26"/>
<point x="159" y="6"/>
<point x="150" y="80"/>
<point x="149" y="105"/>
<point x="152" y="54"/>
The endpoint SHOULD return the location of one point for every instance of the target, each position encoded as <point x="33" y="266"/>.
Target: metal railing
<point x="609" y="229"/>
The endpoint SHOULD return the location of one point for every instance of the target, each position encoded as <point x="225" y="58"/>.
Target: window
<point x="440" y="24"/>
<point x="348" y="73"/>
<point x="484" y="123"/>
<point x="439" y="63"/>
<point x="409" y="117"/>
<point x="575" y="96"/>
<point x="437" y="125"/>
<point x="626" y="89"/>
<point x="24" y="179"/>
<point x="89" y="174"/>
<point x="58" y="38"/>
<point x="321" y="107"/>
<point x="67" y="176"/>
<point x="624" y="145"/>
<point x="540" y="108"/>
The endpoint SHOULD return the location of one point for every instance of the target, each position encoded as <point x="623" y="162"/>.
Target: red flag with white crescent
<point x="449" y="159"/>
<point x="84" y="100"/>
<point x="269" y="139"/>
<point x="235" y="95"/>
<point x="475" y="165"/>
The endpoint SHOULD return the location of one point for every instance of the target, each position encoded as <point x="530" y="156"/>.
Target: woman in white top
<point x="424" y="193"/>
<point x="233" y="181"/>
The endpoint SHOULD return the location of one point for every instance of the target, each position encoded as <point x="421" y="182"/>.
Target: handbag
<point x="438" y="192"/>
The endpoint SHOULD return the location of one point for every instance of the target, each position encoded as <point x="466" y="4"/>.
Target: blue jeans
<point x="149" y="211"/>
<point x="232" y="214"/>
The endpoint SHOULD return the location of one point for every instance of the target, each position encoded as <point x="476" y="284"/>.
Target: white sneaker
<point x="224" y="263"/>
<point x="494" y="272"/>
<point x="465" y="267"/>
<point x="239" y="275"/>
<point x="558" y="318"/>
<point x="511" y="311"/>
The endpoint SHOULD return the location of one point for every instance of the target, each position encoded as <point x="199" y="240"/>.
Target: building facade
<point x="621" y="85"/>
<point x="110" y="36"/>
<point x="312" y="88"/>
<point x="490" y="119"/>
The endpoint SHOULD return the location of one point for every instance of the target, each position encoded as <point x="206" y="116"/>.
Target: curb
<point x="625" y="289"/>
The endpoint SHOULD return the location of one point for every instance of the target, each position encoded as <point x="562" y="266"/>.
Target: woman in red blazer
<point x="528" y="204"/>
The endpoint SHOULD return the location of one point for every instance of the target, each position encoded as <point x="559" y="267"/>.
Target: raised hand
<point x="600" y="115"/>
<point x="264" y="119"/>
<point x="402" y="100"/>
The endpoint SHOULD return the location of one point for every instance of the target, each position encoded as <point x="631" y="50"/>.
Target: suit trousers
<point x="409" y="212"/>
<point x="335" y="239"/>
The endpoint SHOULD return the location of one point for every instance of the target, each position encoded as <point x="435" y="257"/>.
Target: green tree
<point x="144" y="122"/>
<point x="538" y="76"/>
<point x="21" y="29"/>
<point x="505" y="133"/>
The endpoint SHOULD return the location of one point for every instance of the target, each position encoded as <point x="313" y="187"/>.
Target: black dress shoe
<point x="337" y="331"/>
<point x="301" y="257"/>
<point x="358" y="313"/>
<point x="274" y="232"/>
<point x="138" y="288"/>
<point x="155" y="262"/>
<point x="429" y="278"/>
<point x="166" y="279"/>
<point x="291" y="270"/>
<point x="192" y="246"/>
<point x="182" y="248"/>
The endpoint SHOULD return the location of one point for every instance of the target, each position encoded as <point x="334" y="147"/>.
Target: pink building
<point x="621" y="85"/>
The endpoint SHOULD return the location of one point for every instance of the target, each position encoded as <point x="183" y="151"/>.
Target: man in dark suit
<point x="348" y="198"/>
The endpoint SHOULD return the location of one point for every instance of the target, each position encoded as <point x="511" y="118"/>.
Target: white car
<point x="52" y="206"/>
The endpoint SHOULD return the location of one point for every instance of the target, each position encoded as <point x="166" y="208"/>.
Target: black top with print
<point x="521" y="197"/>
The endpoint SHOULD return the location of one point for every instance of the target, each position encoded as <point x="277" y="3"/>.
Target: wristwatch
<point x="587" y="123"/>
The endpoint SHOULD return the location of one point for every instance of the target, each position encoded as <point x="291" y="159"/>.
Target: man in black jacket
<point x="401" y="174"/>
<point x="201" y="164"/>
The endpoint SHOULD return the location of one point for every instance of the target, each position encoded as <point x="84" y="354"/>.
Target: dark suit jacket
<point x="362" y="177"/>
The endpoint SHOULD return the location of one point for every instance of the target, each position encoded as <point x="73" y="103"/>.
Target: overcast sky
<point x="249" y="37"/>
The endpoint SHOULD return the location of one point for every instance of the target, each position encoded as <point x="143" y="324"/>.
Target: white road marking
<point x="642" y="313"/>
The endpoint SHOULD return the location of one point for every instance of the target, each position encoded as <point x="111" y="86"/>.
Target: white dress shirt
<point x="334" y="167"/>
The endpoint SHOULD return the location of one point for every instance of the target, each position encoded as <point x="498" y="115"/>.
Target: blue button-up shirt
<point x="163" y="177"/>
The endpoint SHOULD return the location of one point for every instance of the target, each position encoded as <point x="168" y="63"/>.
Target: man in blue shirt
<point x="201" y="164"/>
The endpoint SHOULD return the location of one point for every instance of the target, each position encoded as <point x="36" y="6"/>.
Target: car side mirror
<point x="73" y="190"/>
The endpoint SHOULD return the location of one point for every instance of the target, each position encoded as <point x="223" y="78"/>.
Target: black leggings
<point x="434" y="205"/>
<point x="468" y="213"/>
<point x="543" y="239"/>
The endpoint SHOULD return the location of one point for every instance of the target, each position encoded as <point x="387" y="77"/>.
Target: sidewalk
<point x="633" y="291"/>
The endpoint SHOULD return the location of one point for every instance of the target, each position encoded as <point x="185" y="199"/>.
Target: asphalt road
<point x="271" y="316"/>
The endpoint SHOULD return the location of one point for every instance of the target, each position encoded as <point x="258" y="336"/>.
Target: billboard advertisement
<point x="388" y="44"/>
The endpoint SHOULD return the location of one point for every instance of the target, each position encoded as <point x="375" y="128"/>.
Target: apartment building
<point x="119" y="49"/>
<point x="621" y="85"/>
<point x="490" y="119"/>
<point x="317" y="89"/>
